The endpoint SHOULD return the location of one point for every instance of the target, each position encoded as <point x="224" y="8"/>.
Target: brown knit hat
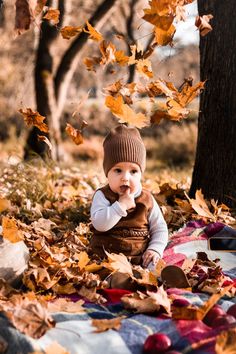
<point x="123" y="144"/>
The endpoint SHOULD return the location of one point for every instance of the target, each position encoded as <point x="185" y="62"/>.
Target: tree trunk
<point x="215" y="164"/>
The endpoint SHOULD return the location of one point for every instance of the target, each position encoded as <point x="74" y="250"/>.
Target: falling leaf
<point x="52" y="15"/>
<point x="45" y="140"/>
<point x="108" y="52"/>
<point x="93" y="33"/>
<point x="113" y="89"/>
<point x="164" y="37"/>
<point x="144" y="67"/>
<point x="202" y="23"/>
<point x="10" y="230"/>
<point x="23" y="16"/>
<point x="66" y="305"/>
<point x="125" y="113"/>
<point x="226" y="342"/>
<point x="121" y="58"/>
<point x="68" y="32"/>
<point x="4" y="204"/>
<point x="39" y="7"/>
<point x="105" y="324"/>
<point x="75" y="134"/>
<point x="34" y="118"/>
<point x="118" y="263"/>
<point x="91" y="63"/>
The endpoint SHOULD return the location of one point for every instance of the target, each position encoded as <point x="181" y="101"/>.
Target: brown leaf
<point x="29" y="317"/>
<point x="83" y="260"/>
<point x="93" y="33"/>
<point x="108" y="52"/>
<point x="202" y="23"/>
<point x="200" y="206"/>
<point x="91" y="63"/>
<point x="118" y="263"/>
<point x="23" y="16"/>
<point x="34" y="118"/>
<point x="104" y="324"/>
<point x="65" y="305"/>
<point x="68" y="32"/>
<point x="144" y="67"/>
<point x="152" y="302"/>
<point x="45" y="140"/>
<point x="10" y="230"/>
<point x="52" y="15"/>
<point x="226" y="342"/>
<point x="39" y="7"/>
<point x="75" y="134"/>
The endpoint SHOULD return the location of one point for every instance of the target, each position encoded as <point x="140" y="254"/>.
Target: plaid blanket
<point x="76" y="333"/>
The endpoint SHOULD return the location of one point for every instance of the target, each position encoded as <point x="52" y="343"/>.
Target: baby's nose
<point x="125" y="177"/>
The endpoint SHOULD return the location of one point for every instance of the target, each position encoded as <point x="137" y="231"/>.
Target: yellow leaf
<point x="92" y="268"/>
<point x="119" y="263"/>
<point x="68" y="32"/>
<point x="94" y="34"/>
<point x="10" y="230"/>
<point x="4" y="204"/>
<point x="138" y="120"/>
<point x="83" y="259"/>
<point x="121" y="58"/>
<point x="34" y="118"/>
<point x="91" y="63"/>
<point x="52" y="15"/>
<point x="114" y="104"/>
<point x="108" y="52"/>
<point x="164" y="37"/>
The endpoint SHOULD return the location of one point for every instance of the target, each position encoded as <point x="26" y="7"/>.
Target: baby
<point x="125" y="217"/>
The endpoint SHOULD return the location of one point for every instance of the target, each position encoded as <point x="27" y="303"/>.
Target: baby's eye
<point x="134" y="171"/>
<point x="117" y="170"/>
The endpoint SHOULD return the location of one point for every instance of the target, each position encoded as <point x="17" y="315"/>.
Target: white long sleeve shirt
<point x="105" y="215"/>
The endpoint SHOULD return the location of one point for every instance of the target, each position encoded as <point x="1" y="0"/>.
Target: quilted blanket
<point x="77" y="335"/>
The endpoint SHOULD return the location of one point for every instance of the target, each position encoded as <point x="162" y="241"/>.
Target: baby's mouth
<point x="124" y="188"/>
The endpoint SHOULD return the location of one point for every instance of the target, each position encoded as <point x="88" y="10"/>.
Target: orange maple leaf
<point x="52" y="15"/>
<point x="75" y="134"/>
<point x="94" y="34"/>
<point x="121" y="58"/>
<point x="68" y="32"/>
<point x="164" y="37"/>
<point x="10" y="230"/>
<point x="34" y="118"/>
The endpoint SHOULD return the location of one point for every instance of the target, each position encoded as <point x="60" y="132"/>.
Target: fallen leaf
<point x="118" y="263"/>
<point x="83" y="260"/>
<point x="105" y="324"/>
<point x="10" y="230"/>
<point x="68" y="32"/>
<point x="34" y="118"/>
<point x="66" y="305"/>
<point x="200" y="206"/>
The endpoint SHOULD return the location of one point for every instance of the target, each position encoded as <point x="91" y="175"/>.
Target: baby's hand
<point x="150" y="256"/>
<point x="126" y="199"/>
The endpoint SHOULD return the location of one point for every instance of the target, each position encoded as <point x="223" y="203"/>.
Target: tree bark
<point x="215" y="164"/>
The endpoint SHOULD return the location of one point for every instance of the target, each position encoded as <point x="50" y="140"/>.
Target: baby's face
<point x="124" y="176"/>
